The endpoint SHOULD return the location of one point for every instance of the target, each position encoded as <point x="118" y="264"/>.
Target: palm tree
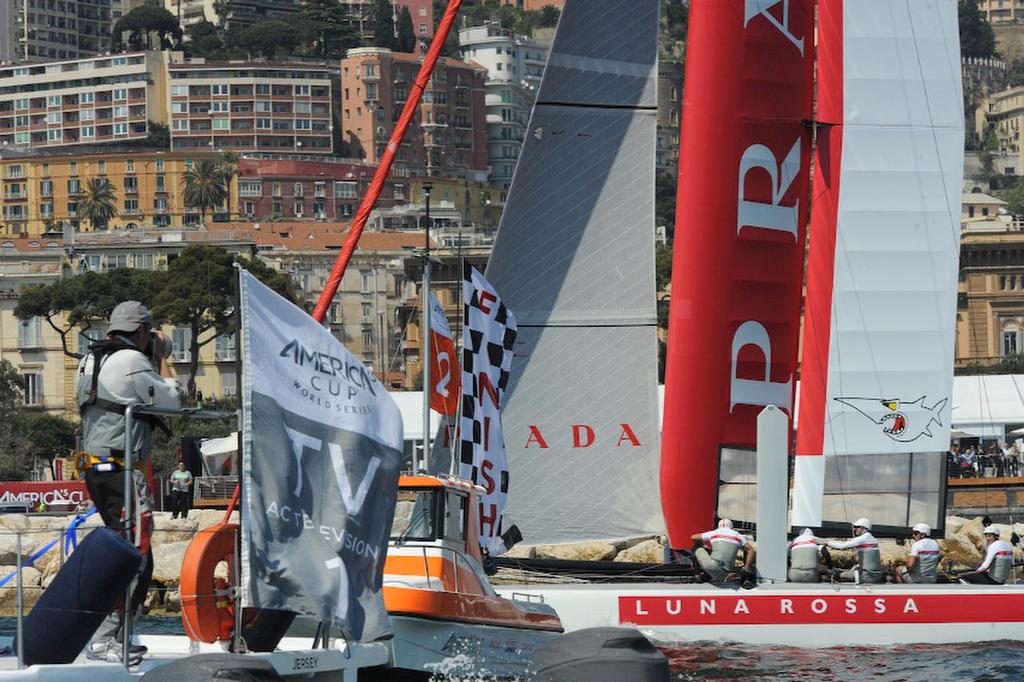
<point x="97" y="203"/>
<point x="204" y="186"/>
<point x="228" y="163"/>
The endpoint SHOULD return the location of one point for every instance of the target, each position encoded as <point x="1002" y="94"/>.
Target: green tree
<point x="159" y="135"/>
<point x="451" y="44"/>
<point x="143" y="24"/>
<point x="268" y="39"/>
<point x="330" y="33"/>
<point x="662" y="265"/>
<point x="198" y="293"/>
<point x="97" y="203"/>
<point x="12" y="466"/>
<point x="205" y="40"/>
<point x="165" y="448"/>
<point x="1014" y="199"/>
<point x="406" y="41"/>
<point x="548" y="16"/>
<point x="383" y="24"/>
<point x="228" y="163"/>
<point x="977" y="39"/>
<point x="204" y="186"/>
<point x="73" y="303"/>
<point x="45" y="437"/>
<point x="665" y="202"/>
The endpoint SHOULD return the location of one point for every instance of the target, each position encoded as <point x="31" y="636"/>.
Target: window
<point x="249" y="209"/>
<point x="120" y="128"/>
<point x="21" y="103"/>
<point x="179" y="108"/>
<point x="30" y="333"/>
<point x="367" y="312"/>
<point x="131" y="206"/>
<point x="160" y="205"/>
<point x="180" y="124"/>
<point x="46" y="188"/>
<point x="53" y="101"/>
<point x="33" y="389"/>
<point x="219" y="107"/>
<point x="225" y="348"/>
<point x="301" y="124"/>
<point x="86" y="337"/>
<point x="160" y="166"/>
<point x="145" y="261"/>
<point x="54" y="135"/>
<point x="263" y="106"/>
<point x="263" y="124"/>
<point x="250" y="188"/>
<point x="262" y="88"/>
<point x="161" y="183"/>
<point x="297" y="189"/>
<point x="120" y="93"/>
<point x="1009" y="342"/>
<point x="228" y="384"/>
<point x="131" y="184"/>
<point x="117" y="260"/>
<point x="345" y="190"/>
<point x="53" y="117"/>
<point x="298" y="207"/>
<point x="46" y="210"/>
<point x="302" y="107"/>
<point x="221" y="124"/>
<point x="179" y="90"/>
<point x="87" y="98"/>
<point x="277" y="189"/>
<point x="366" y="278"/>
<point x="302" y="90"/>
<point x="181" y="337"/>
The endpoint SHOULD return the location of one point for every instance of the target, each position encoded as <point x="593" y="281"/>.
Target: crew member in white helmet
<point x="869" y="560"/>
<point x="725" y="544"/>
<point x="804" y="553"/>
<point x="923" y="562"/>
<point x="995" y="570"/>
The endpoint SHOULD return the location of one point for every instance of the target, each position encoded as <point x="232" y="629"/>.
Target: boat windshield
<point x="415" y="515"/>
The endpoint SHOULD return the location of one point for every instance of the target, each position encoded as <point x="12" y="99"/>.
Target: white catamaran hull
<point x="293" y="661"/>
<point x="797" y="615"/>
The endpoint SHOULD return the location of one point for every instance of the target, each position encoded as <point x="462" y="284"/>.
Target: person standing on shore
<point x="181" y="491"/>
<point x="126" y="368"/>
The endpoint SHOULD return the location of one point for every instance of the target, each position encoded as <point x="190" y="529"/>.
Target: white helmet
<point x="807" y="531"/>
<point x="923" y="529"/>
<point x="725" y="523"/>
<point x="991" y="530"/>
<point x="862" y="523"/>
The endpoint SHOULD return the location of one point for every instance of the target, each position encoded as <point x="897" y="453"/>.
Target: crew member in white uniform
<point x="995" y="570"/>
<point x="869" y="559"/>
<point x="725" y="544"/>
<point x="804" y="553"/>
<point x="923" y="562"/>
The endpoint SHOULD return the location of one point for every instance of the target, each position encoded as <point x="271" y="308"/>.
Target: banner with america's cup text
<point x="322" y="449"/>
<point x="488" y="335"/>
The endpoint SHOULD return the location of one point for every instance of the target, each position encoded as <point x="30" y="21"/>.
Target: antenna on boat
<point x="427" y="187"/>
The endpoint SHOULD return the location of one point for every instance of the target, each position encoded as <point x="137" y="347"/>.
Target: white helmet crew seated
<point x="725" y="544"/>
<point x="995" y="570"/>
<point x="923" y="562"/>
<point x="804" y="553"/>
<point x="869" y="560"/>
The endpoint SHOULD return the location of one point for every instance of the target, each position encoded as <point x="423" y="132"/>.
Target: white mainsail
<point x="882" y="273"/>
<point x="574" y="259"/>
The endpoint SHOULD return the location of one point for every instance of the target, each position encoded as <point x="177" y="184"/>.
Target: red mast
<point x="377" y="184"/>
<point x="739" y="244"/>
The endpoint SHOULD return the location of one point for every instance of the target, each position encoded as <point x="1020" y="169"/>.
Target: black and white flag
<point x="322" y="446"/>
<point x="489" y="332"/>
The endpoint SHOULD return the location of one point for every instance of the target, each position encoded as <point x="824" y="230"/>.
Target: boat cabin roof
<point x="449" y="482"/>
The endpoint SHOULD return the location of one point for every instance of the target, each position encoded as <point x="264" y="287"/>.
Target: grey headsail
<point x="574" y="259"/>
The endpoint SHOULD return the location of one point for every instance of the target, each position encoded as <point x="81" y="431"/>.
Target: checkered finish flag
<point x="489" y="331"/>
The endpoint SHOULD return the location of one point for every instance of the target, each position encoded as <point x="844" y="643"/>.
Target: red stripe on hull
<point x="824" y="225"/>
<point x="736" y="281"/>
<point x="906" y="608"/>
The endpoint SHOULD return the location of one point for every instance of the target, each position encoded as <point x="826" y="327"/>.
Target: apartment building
<point x="1000" y="12"/>
<point x="1002" y="114"/>
<point x="364" y="313"/>
<point x="83" y="101"/>
<point x="534" y="5"/>
<point x="449" y="138"/>
<point x="41" y="192"/>
<point x="38" y="30"/>
<point x="287" y="188"/>
<point x="251" y="106"/>
<point x="31" y="346"/>
<point x="238" y="14"/>
<point x="670" y="106"/>
<point x="422" y="13"/>
<point x="515" y="65"/>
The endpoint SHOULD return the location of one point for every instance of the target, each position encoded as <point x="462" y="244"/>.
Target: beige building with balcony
<point x="102" y="99"/>
<point x="999" y="12"/>
<point x="1002" y="114"/>
<point x="251" y="106"/>
<point x="32" y="346"/>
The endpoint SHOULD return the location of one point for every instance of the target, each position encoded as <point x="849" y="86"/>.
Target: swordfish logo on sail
<point x="901" y="420"/>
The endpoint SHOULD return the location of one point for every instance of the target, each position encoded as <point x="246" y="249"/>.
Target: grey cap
<point x="127" y="316"/>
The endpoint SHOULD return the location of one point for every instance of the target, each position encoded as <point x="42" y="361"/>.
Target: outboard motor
<point x="599" y="655"/>
<point x="211" y="667"/>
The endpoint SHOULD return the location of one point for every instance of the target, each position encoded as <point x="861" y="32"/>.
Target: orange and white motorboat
<point x="445" y="612"/>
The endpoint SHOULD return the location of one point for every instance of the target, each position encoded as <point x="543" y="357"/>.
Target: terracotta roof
<point x="325" y="237"/>
<point x="30" y="245"/>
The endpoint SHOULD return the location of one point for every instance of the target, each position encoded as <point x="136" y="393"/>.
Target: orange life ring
<point x="207" y="607"/>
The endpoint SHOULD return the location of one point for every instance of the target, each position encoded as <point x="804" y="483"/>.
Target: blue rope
<point x="70" y="541"/>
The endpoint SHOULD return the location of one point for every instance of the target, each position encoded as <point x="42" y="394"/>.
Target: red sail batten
<point x="735" y="281"/>
<point x="377" y="184"/>
<point x="824" y="223"/>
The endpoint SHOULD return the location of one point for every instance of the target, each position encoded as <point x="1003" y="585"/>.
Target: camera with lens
<point x="158" y="347"/>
